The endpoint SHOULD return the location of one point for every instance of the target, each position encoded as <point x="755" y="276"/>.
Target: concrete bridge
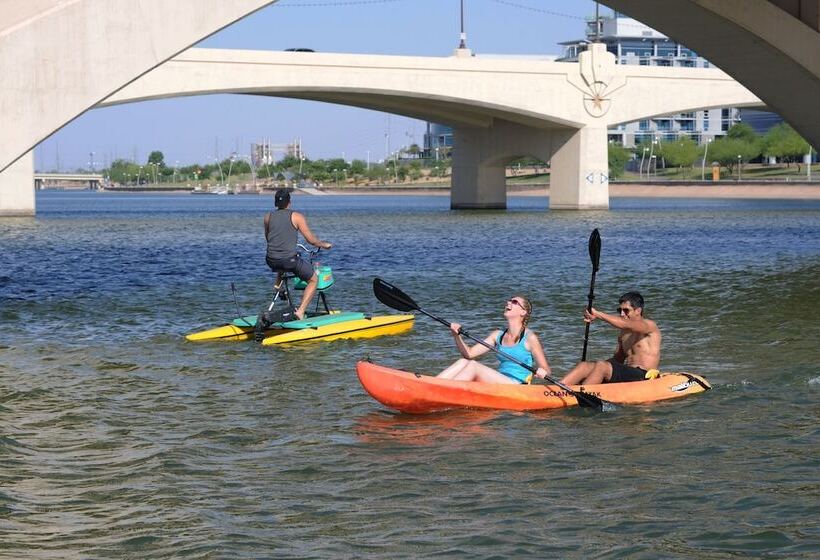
<point x="500" y="109"/>
<point x="90" y="181"/>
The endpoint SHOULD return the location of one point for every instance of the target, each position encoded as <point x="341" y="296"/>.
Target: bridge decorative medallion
<point x="597" y="79"/>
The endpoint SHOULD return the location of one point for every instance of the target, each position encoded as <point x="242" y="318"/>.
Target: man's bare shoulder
<point x="652" y="325"/>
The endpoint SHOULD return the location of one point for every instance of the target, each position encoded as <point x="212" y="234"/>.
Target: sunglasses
<point x="516" y="302"/>
<point x="624" y="310"/>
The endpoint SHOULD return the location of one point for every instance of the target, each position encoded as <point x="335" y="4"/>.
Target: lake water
<point x="122" y="440"/>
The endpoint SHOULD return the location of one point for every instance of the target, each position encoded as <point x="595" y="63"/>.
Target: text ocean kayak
<point x="418" y="394"/>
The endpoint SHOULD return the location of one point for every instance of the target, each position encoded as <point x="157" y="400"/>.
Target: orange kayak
<point x="418" y="394"/>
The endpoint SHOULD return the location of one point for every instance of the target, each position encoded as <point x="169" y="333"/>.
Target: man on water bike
<point x="638" y="351"/>
<point x="281" y="229"/>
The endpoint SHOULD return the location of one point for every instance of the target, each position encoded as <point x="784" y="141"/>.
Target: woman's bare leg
<point x="476" y="371"/>
<point x="454" y="369"/>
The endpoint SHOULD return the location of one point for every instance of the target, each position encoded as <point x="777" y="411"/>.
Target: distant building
<point x="438" y="141"/>
<point x="761" y="121"/>
<point x="264" y="153"/>
<point x="261" y="153"/>
<point x="632" y="42"/>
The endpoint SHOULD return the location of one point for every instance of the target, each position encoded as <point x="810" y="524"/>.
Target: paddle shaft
<point x="502" y="353"/>
<point x="590" y="297"/>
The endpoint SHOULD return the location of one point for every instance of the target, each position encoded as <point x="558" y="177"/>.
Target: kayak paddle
<point x="393" y="297"/>
<point x="595" y="257"/>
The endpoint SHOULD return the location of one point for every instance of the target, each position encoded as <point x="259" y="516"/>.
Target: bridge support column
<point x="17" y="187"/>
<point x="481" y="155"/>
<point x="579" y="173"/>
<point x="477" y="182"/>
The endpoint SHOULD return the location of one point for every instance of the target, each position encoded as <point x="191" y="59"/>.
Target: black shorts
<point x="295" y="264"/>
<point x="622" y="373"/>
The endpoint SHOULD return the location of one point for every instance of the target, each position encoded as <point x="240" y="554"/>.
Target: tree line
<point x="156" y="170"/>
<point x="740" y="145"/>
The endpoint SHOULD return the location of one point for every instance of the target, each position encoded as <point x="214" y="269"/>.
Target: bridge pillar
<point x="579" y="171"/>
<point x="481" y="155"/>
<point x="477" y="182"/>
<point x="17" y="187"/>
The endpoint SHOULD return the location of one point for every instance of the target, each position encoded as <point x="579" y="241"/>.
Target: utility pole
<point x="387" y="141"/>
<point x="462" y="36"/>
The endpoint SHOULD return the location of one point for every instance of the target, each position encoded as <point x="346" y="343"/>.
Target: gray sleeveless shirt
<point x="281" y="235"/>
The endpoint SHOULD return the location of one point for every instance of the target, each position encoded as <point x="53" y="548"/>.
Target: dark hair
<point x="281" y="198"/>
<point x="634" y="298"/>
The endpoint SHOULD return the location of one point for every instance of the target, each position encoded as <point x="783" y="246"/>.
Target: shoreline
<point x="774" y="191"/>
<point x="620" y="190"/>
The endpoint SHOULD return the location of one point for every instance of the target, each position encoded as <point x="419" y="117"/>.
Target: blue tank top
<point x="519" y="351"/>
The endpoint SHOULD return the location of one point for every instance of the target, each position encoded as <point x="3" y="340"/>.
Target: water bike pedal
<point x="266" y="318"/>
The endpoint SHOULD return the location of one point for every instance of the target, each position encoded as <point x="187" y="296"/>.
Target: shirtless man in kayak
<point x="638" y="351"/>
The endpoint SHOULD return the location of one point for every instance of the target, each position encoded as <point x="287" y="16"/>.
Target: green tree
<point x="743" y="131"/>
<point x="681" y="153"/>
<point x="784" y="143"/>
<point x="358" y="167"/>
<point x="726" y="150"/>
<point x="156" y="157"/>
<point x="617" y="156"/>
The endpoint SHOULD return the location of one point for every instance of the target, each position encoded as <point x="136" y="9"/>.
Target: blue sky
<point x="194" y="129"/>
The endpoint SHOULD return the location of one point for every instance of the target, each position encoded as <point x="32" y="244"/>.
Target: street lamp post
<point x="221" y="175"/>
<point x="703" y="163"/>
<point x="230" y="167"/>
<point x="139" y="174"/>
<point x="738" y="167"/>
<point x="640" y="169"/>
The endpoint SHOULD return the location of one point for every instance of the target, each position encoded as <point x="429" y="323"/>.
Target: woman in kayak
<point x="516" y="340"/>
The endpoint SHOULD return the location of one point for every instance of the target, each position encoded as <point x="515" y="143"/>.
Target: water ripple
<point x="120" y="439"/>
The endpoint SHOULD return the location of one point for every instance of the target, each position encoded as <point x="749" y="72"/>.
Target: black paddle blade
<point x="585" y="400"/>
<point x="595" y="249"/>
<point x="393" y="297"/>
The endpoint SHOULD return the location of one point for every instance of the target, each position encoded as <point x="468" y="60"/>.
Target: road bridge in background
<point x="90" y="181"/>
<point x="500" y="109"/>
